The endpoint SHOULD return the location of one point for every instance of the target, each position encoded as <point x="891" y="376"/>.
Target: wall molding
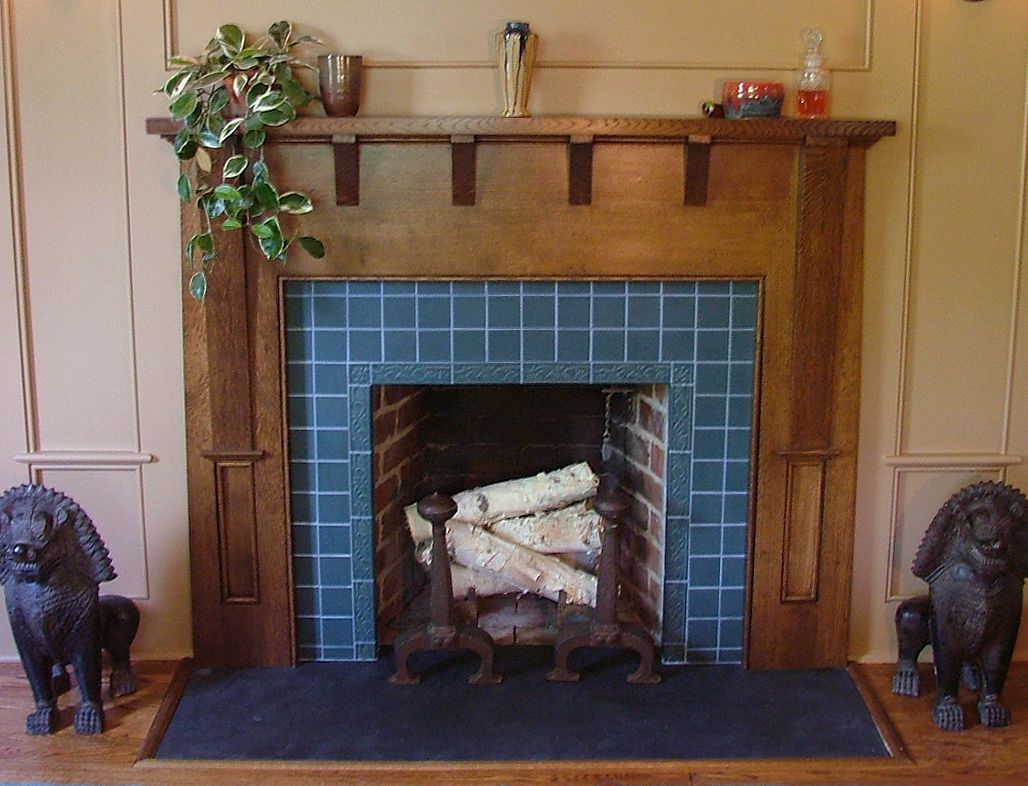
<point x="952" y="461"/>
<point x="170" y="16"/>
<point x="85" y="459"/>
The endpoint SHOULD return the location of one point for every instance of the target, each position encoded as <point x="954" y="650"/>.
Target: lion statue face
<point x="31" y="540"/>
<point x="41" y="529"/>
<point x="983" y="526"/>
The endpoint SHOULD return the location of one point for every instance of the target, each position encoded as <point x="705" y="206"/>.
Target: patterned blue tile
<point x="368" y="650"/>
<point x="557" y="372"/>
<point x="360" y="489"/>
<point x="673" y="653"/>
<point x="410" y="374"/>
<point x="674" y="612"/>
<point x="486" y="374"/>
<point x="363" y="549"/>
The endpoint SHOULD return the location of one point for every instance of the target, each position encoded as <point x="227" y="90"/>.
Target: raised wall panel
<point x="237" y="531"/>
<point x="804" y="520"/>
<point x="112" y="498"/>
<point x="683" y="34"/>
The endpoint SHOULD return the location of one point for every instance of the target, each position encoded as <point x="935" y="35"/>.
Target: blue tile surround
<point x="697" y="337"/>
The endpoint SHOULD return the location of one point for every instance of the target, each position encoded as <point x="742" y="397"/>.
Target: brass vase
<point x="516" y="47"/>
<point x="339" y="79"/>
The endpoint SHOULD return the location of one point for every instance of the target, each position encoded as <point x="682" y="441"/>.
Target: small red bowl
<point x="752" y="99"/>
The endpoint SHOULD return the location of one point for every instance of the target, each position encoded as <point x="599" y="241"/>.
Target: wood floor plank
<point x="977" y="755"/>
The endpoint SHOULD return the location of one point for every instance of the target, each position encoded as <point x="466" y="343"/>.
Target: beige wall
<point x="91" y="397"/>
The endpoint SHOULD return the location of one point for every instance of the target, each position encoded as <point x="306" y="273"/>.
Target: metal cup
<point x="339" y="78"/>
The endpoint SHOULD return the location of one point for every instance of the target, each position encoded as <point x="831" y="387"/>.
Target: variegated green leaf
<point x="234" y="167"/>
<point x="231" y="38"/>
<point x="185" y="191"/>
<point x="183" y="106"/>
<point x="230" y="128"/>
<point x="312" y="246"/>
<point x="203" y="159"/>
<point x="254" y="138"/>
<point x="295" y="203"/>
<point x="198" y="285"/>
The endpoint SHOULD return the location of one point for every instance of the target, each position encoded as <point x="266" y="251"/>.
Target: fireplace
<point x="775" y="205"/>
<point x="655" y="383"/>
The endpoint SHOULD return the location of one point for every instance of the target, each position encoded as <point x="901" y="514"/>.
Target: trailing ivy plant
<point x="227" y="98"/>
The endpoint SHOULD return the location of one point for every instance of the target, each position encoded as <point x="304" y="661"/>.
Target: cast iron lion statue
<point x="974" y="557"/>
<point x="52" y="561"/>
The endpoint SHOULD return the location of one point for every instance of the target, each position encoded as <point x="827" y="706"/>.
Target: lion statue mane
<point x="974" y="557"/>
<point x="52" y="561"/>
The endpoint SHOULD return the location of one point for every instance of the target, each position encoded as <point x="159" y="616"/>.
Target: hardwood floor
<point x="976" y="755"/>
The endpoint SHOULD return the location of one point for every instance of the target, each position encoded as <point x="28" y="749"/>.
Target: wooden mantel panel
<point x="784" y="206"/>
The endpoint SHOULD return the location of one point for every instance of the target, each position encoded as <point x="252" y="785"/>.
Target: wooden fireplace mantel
<point x="776" y="201"/>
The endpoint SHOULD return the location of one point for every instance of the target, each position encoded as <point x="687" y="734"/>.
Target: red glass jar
<point x="752" y="99"/>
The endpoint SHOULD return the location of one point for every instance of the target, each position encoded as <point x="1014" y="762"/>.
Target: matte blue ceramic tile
<point x="301" y="444"/>
<point x="644" y="311"/>
<point x="306" y="602"/>
<point x="302" y="507"/>
<point x="486" y="374"/>
<point x="365" y="312"/>
<point x="708" y="476"/>
<point x="337" y="601"/>
<point x="399" y="312"/>
<point x="300" y="379"/>
<point x="573" y="312"/>
<point x="713" y="287"/>
<point x="678" y="345"/>
<point x="538" y="346"/>
<point x="609" y="288"/>
<point x="298" y="312"/>
<point x="730" y="634"/>
<point x="713" y="312"/>
<point x="469" y="346"/>
<point x="710" y="411"/>
<point x="701" y="635"/>
<point x="572" y="345"/>
<point x="304" y="540"/>
<point x="305" y="570"/>
<point x="608" y="346"/>
<point x="333" y="476"/>
<point x="573" y="287"/>
<point x="303" y="476"/>
<point x="299" y="344"/>
<point x="734" y="533"/>
<point x="712" y="378"/>
<point x="742" y="345"/>
<point x="433" y="287"/>
<point x="329" y="312"/>
<point x="736" y="509"/>
<point x="365" y="345"/>
<point x="331" y="411"/>
<point x="733" y="603"/>
<point x="556" y="372"/>
<point x="703" y="603"/>
<point x="740" y="411"/>
<point x="434" y="313"/>
<point x="330" y="654"/>
<point x="333" y="508"/>
<point x="503" y="287"/>
<point x="335" y="571"/>
<point x="643" y="345"/>
<point x="398" y="288"/>
<point x="733" y="571"/>
<point x="337" y="632"/>
<point x="642" y="288"/>
<point x="737" y="475"/>
<point x="504" y="312"/>
<point x="608" y="313"/>
<point x="744" y="312"/>
<point x="679" y="312"/>
<point x="539" y="287"/>
<point x="745" y="288"/>
<point x="365" y="288"/>
<point x="330" y="346"/>
<point x="740" y="379"/>
<point x="295" y="287"/>
<point x="704" y="541"/>
<point x="738" y="443"/>
<point x="730" y="654"/>
<point x="330" y="378"/>
<point x="711" y="345"/>
<point x="706" y="508"/>
<point x="400" y="346"/>
<point x="708" y="443"/>
<point x="503" y="346"/>
<point x="538" y="312"/>
<point x="333" y="540"/>
<point x="434" y="346"/>
<point x="679" y="287"/>
<point x="301" y="412"/>
<point x="469" y="312"/>
<point x="308" y="630"/>
<point x="462" y="288"/>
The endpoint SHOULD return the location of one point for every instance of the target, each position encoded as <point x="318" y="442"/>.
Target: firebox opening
<point x="451" y="438"/>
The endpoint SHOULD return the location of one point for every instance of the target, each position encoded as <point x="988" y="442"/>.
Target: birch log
<point x="514" y="498"/>
<point x="571" y="530"/>
<point x="528" y="570"/>
<point x="484" y="582"/>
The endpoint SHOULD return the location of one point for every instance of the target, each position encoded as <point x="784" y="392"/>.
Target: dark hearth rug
<point x="350" y="712"/>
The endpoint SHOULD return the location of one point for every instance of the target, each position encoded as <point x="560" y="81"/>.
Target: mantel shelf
<point x="484" y="127"/>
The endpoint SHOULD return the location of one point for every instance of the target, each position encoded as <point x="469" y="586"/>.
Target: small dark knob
<point x="611" y="502"/>
<point x="437" y="508"/>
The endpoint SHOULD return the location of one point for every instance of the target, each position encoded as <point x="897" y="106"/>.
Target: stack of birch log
<point x="537" y="534"/>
